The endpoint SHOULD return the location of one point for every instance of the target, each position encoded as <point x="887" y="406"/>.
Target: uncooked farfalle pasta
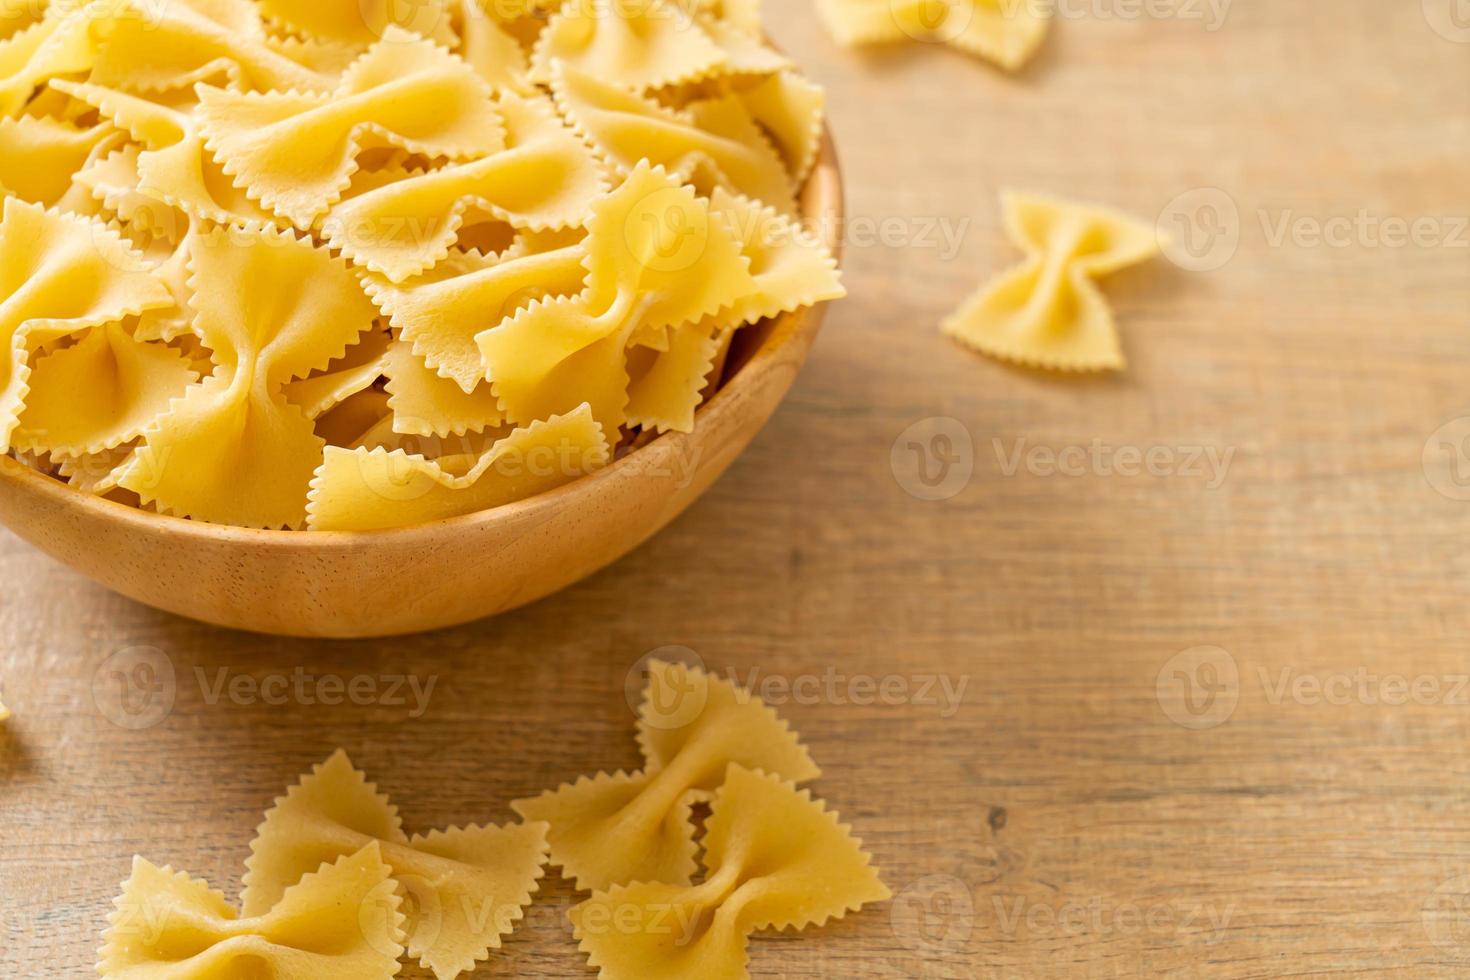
<point x="1004" y="32"/>
<point x="343" y="266"/>
<point x="471" y="884"/>
<point x="774" y="858"/>
<point x="331" y="872"/>
<point x="615" y="828"/>
<point x="1048" y="312"/>
<point x="339" y="922"/>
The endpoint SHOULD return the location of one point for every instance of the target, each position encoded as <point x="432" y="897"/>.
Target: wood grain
<point x="1069" y="826"/>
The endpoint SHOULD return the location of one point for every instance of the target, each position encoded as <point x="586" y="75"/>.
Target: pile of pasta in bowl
<point x="298" y="265"/>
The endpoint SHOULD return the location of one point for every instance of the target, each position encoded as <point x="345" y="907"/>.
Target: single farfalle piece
<point x="792" y="269"/>
<point x="424" y="404"/>
<point x="441" y="312"/>
<point x="338" y="921"/>
<point x="296" y="152"/>
<point x="125" y="384"/>
<point x="375" y="489"/>
<point x="15" y="18"/>
<point x="490" y="49"/>
<point x="714" y="141"/>
<point x="774" y="858"/>
<point x="791" y="109"/>
<point x="63" y="42"/>
<point x="233" y="450"/>
<point x="736" y="29"/>
<point x="1048" y="312"/>
<point x="41" y="156"/>
<point x="355" y="371"/>
<point x="361" y="22"/>
<point x="656" y="258"/>
<point x="615" y="829"/>
<point x="1005" y="32"/>
<point x="169" y="165"/>
<point x="469" y="885"/>
<point x="666" y="387"/>
<point x="791" y="266"/>
<point x="60" y="275"/>
<point x="635" y="44"/>
<point x="95" y="473"/>
<point x="170" y="47"/>
<point x="545" y="178"/>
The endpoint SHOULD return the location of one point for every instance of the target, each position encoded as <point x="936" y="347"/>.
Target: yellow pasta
<point x="774" y="858"/>
<point x="41" y="156"/>
<point x="491" y="50"/>
<point x="237" y="451"/>
<point x="1005" y="32"/>
<point x="338" y="921"/>
<point x="738" y="34"/>
<point x="372" y="489"/>
<point x="1048" y="312"/>
<point x="790" y="266"/>
<point x="424" y="404"/>
<point x="645" y="44"/>
<point x="544" y="179"/>
<point x="295" y="151"/>
<point x="95" y="473"/>
<point x="615" y="829"/>
<point x="665" y="393"/>
<point x="355" y="371"/>
<point x="441" y="312"/>
<point x="61" y="43"/>
<point x="470" y="885"/>
<point x="655" y="258"/>
<point x="59" y="274"/>
<point x="17" y="17"/>
<point x="127" y="383"/>
<point x="361" y="22"/>
<point x="150" y="47"/>
<point x="716" y="139"/>
<point x="170" y="165"/>
<point x="790" y="109"/>
<point x="347" y="264"/>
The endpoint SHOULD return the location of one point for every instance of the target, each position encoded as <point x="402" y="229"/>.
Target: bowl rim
<point x="827" y="206"/>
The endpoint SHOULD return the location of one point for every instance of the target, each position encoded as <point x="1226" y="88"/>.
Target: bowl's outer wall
<point x="434" y="575"/>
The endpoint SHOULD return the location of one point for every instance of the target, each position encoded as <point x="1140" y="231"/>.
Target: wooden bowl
<point x="381" y="583"/>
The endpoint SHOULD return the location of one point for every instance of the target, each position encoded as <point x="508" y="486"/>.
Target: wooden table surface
<point x="1054" y="776"/>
